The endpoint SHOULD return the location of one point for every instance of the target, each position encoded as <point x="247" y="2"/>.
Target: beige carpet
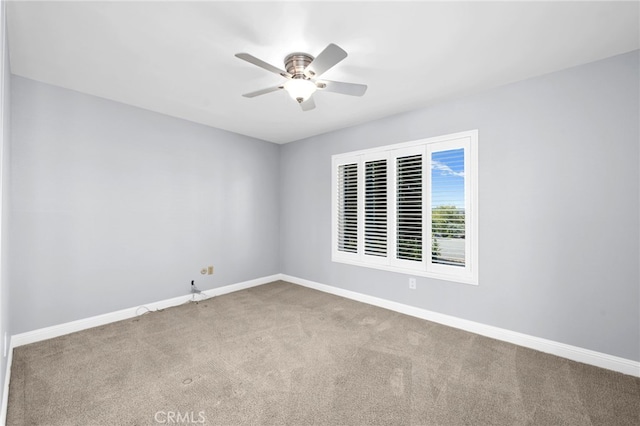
<point x="280" y="354"/>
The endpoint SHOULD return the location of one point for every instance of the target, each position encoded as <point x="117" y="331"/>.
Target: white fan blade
<point x="330" y="56"/>
<point x="350" y="89"/>
<point x="262" y="92"/>
<point x="308" y="105"/>
<point x="262" y="64"/>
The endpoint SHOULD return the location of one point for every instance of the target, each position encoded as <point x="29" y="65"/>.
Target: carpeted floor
<point x="280" y="354"/>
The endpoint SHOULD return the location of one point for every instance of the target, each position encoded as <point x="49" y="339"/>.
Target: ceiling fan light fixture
<point x="300" y="89"/>
<point x="302" y="72"/>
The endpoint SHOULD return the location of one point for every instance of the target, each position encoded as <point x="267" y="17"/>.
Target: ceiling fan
<point x="302" y="74"/>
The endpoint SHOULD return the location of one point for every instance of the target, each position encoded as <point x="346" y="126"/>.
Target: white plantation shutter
<point x="348" y="208"/>
<point x="375" y="208"/>
<point x="409" y="207"/>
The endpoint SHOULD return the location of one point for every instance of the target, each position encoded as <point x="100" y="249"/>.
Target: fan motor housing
<point x="295" y="63"/>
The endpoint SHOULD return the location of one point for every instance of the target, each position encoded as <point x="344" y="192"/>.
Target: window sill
<point x="416" y="272"/>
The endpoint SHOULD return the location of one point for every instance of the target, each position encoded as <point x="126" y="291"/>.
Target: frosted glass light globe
<point x="300" y="88"/>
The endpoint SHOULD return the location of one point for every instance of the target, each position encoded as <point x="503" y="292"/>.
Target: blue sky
<point x="447" y="178"/>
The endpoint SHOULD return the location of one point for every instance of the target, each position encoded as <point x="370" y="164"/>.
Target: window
<point x="409" y="207"/>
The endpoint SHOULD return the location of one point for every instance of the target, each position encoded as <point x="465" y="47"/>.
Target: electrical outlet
<point x="210" y="270"/>
<point x="412" y="283"/>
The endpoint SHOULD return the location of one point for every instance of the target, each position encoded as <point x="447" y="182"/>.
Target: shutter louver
<point x="375" y="225"/>
<point x="348" y="208"/>
<point x="447" y="207"/>
<point x="409" y="208"/>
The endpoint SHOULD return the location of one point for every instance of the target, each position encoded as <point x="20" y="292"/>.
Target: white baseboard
<point x="574" y="353"/>
<point x="83" y="324"/>
<point x="5" y="390"/>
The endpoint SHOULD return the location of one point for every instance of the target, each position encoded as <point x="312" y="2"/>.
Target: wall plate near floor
<point x="412" y="283"/>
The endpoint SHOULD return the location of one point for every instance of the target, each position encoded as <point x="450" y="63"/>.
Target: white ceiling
<point x="177" y="58"/>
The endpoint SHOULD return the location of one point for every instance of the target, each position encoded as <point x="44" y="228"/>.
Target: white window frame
<point x="467" y="274"/>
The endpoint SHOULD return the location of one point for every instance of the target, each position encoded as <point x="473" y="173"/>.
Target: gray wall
<point x="558" y="207"/>
<point x="5" y="155"/>
<point x="114" y="206"/>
